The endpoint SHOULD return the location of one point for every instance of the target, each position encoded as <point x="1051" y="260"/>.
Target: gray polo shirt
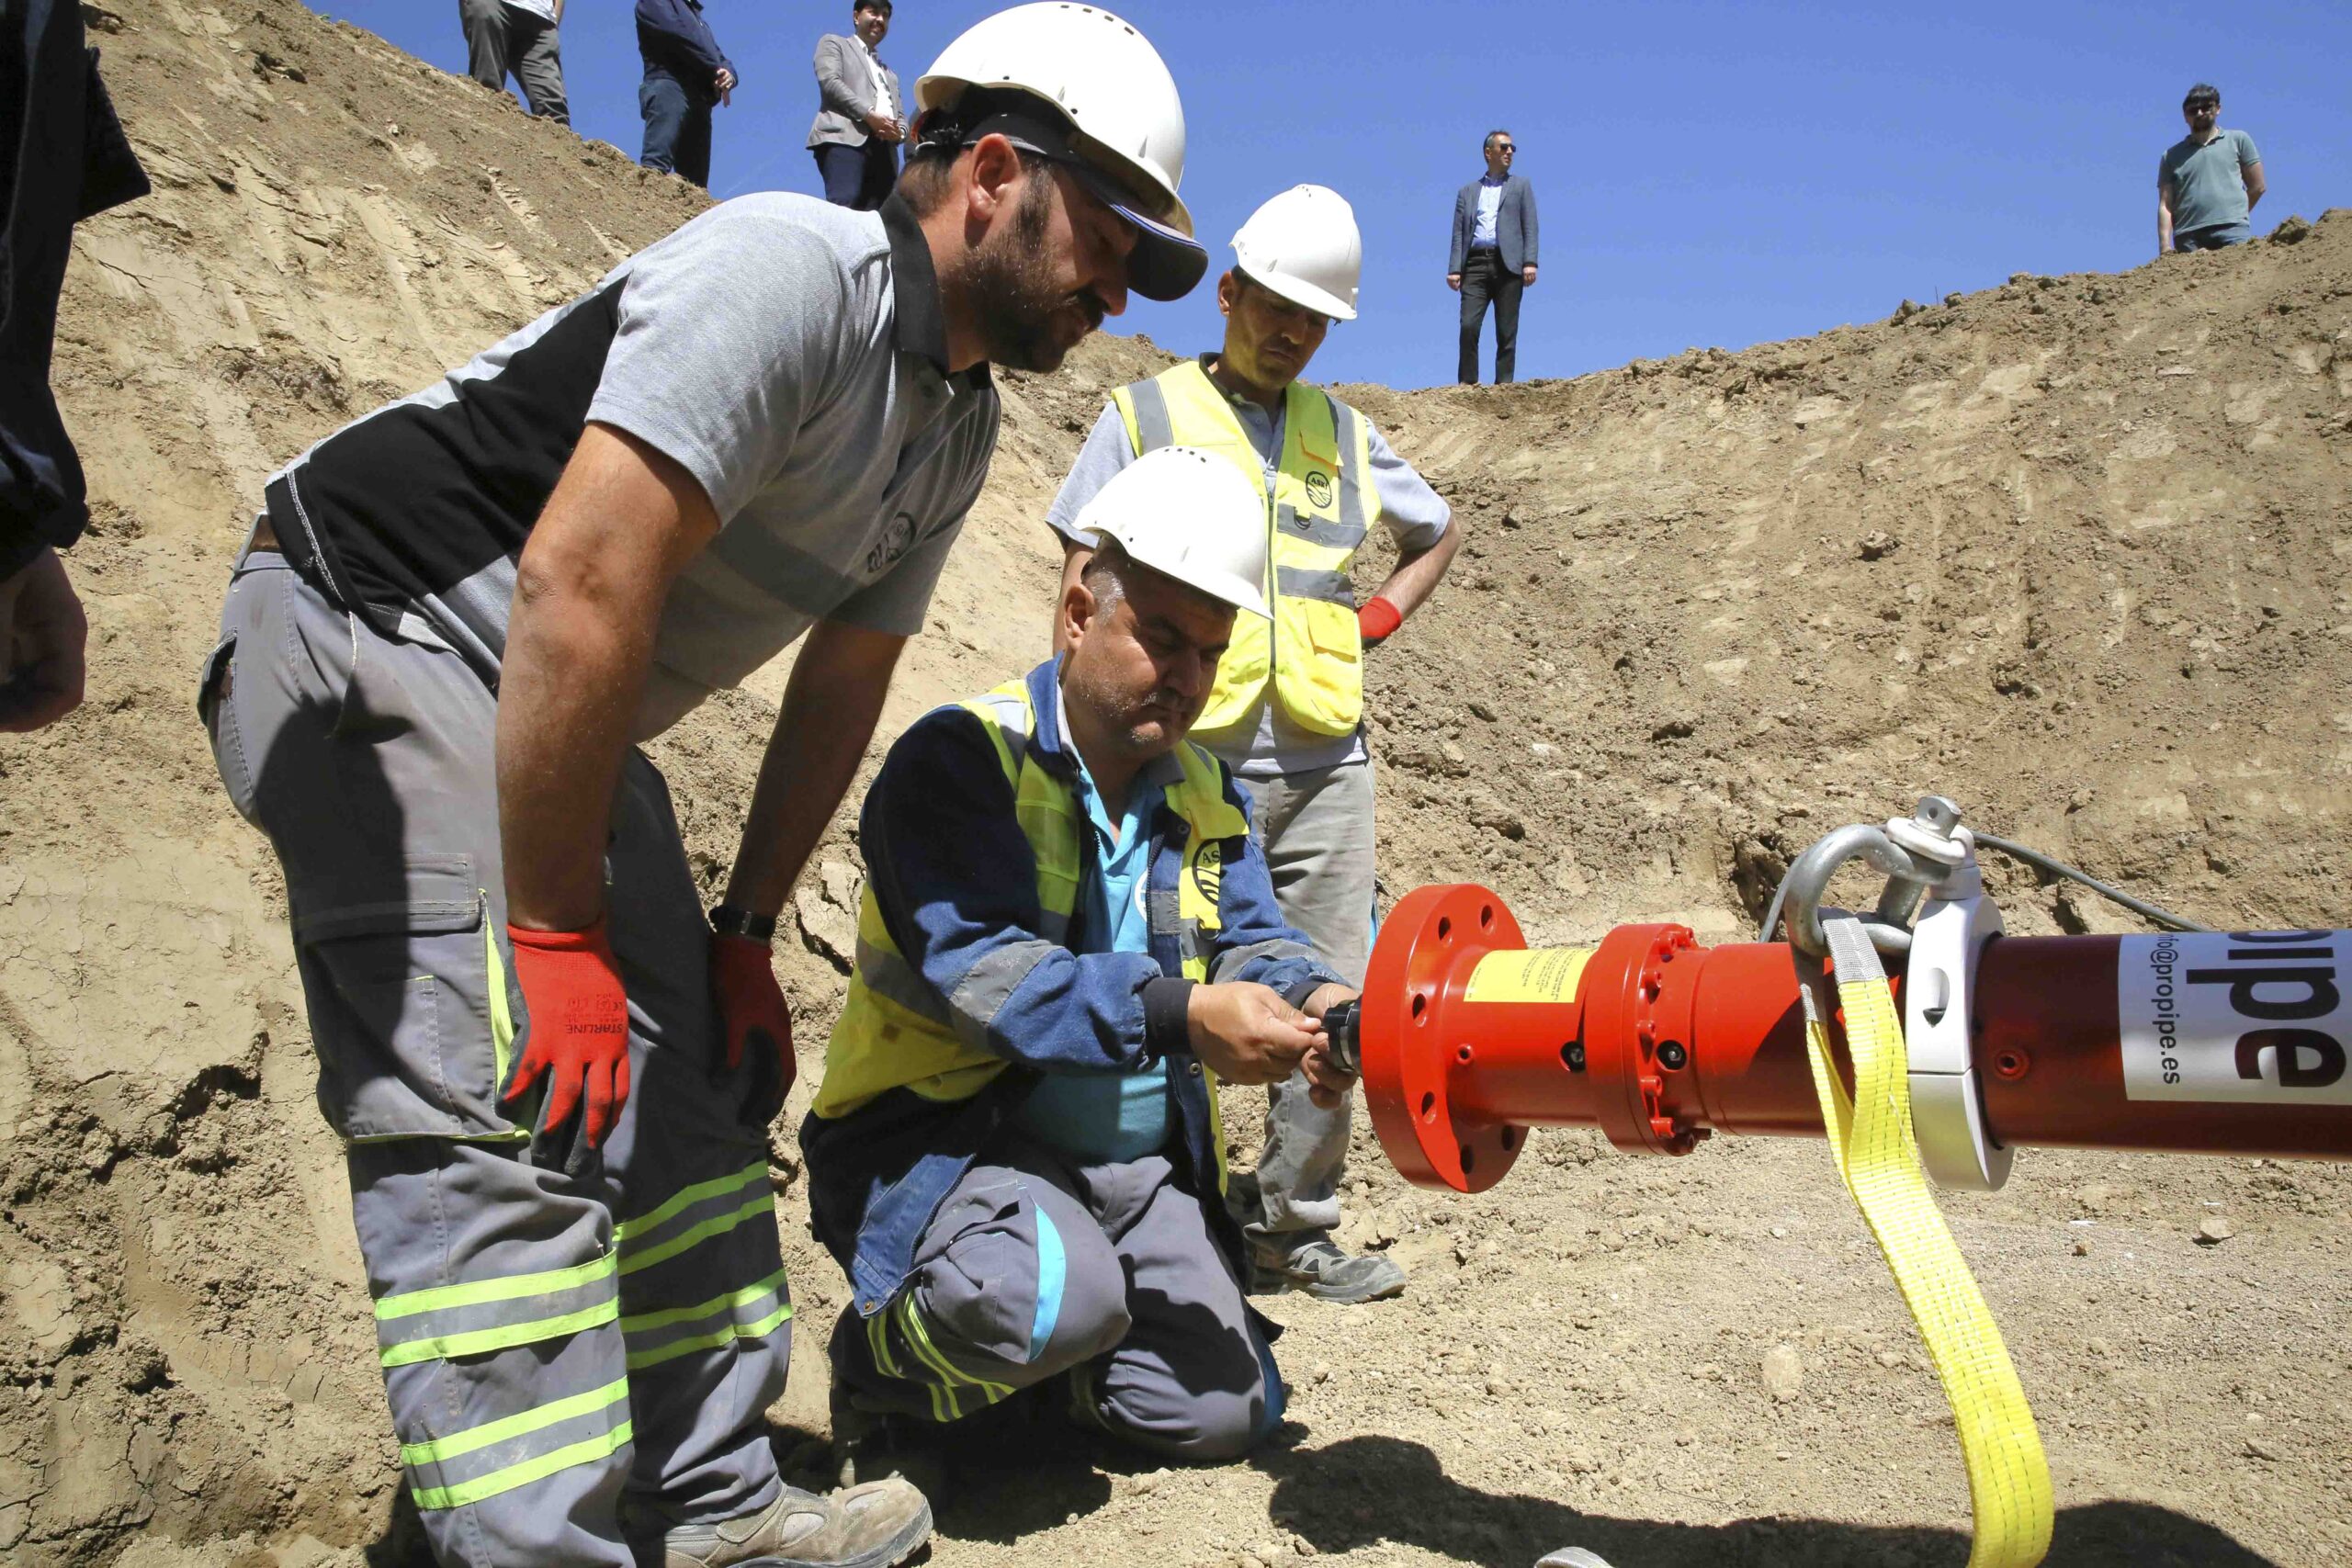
<point x="2208" y="180"/>
<point x="788" y="353"/>
<point x="1264" y="743"/>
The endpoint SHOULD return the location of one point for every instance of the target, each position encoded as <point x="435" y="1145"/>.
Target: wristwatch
<point x="725" y="919"/>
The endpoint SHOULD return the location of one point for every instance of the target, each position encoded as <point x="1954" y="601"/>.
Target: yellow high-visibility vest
<point x="895" y="1030"/>
<point x="1321" y="505"/>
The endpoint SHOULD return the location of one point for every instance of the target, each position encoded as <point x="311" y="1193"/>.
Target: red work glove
<point x="752" y="1017"/>
<point x="1376" y="619"/>
<point x="575" y="1034"/>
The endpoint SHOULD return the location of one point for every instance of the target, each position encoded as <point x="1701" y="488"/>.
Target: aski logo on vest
<point x="2239" y="1016"/>
<point x="1318" y="487"/>
<point x="1208" y="871"/>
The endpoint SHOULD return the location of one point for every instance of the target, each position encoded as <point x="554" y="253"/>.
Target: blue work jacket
<point x="953" y="882"/>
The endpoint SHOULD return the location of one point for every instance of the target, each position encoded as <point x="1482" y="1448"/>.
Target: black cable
<point x="2164" y="918"/>
<point x="2036" y="858"/>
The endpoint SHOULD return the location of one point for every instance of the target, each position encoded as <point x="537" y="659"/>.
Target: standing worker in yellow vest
<point x="1286" y="711"/>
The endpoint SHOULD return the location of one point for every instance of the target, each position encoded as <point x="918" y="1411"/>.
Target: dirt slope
<point x="2072" y="550"/>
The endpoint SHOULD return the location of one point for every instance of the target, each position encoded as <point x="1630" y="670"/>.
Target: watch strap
<point x="725" y="919"/>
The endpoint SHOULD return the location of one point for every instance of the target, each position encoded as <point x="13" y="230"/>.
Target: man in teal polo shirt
<point x="2208" y="181"/>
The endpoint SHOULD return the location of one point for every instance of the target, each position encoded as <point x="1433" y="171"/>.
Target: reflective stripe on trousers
<point x="1035" y="1268"/>
<point x="559" y="1353"/>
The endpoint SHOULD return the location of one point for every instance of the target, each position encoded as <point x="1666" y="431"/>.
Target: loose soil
<point x="2073" y="550"/>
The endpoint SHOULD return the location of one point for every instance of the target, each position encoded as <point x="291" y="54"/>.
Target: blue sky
<point x="1708" y="174"/>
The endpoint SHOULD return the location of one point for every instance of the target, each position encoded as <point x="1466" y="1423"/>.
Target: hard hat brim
<point x="1223" y="586"/>
<point x="1321" y="301"/>
<point x="1167" y="262"/>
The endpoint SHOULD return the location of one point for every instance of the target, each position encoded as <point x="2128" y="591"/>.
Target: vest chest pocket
<point x="1324" y="692"/>
<point x="1196" y="907"/>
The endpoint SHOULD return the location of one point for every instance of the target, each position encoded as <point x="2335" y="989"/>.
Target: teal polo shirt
<point x="1110" y="1118"/>
<point x="2208" y="180"/>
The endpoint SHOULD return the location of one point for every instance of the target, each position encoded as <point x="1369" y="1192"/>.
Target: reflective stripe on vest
<point x="1320" y="509"/>
<point x="896" y="1031"/>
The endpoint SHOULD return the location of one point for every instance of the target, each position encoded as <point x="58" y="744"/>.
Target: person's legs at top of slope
<point x="662" y="103"/>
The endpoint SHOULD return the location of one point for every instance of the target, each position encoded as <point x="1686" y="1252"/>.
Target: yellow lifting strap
<point x="1871" y="1137"/>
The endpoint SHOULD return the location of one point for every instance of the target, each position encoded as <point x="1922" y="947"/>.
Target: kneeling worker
<point x="1067" y="940"/>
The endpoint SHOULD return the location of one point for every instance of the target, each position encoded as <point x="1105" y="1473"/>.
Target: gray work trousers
<point x="1316" y="830"/>
<point x="1034" y="1267"/>
<point x="499" y="39"/>
<point x="571" y="1363"/>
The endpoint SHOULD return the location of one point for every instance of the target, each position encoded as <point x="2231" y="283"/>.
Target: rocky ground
<point x="2072" y="550"/>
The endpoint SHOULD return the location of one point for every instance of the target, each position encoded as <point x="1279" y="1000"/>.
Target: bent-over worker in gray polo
<point x="457" y="616"/>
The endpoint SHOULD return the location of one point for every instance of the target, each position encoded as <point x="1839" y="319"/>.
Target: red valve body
<point x="1660" y="1042"/>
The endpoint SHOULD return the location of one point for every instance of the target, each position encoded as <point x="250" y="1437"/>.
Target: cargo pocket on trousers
<point x="215" y="706"/>
<point x="404" y="984"/>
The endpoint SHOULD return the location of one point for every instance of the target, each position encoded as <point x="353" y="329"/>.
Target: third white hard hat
<point x="1113" y="108"/>
<point x="1304" y="245"/>
<point x="1188" y="516"/>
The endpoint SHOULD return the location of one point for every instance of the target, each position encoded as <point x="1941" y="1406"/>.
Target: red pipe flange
<point x="1414" y="1036"/>
<point x="1630" y="1012"/>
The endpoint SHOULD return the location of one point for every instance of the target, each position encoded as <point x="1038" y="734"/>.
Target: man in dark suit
<point x="861" y="119"/>
<point x="1493" y="256"/>
<point x="687" y="76"/>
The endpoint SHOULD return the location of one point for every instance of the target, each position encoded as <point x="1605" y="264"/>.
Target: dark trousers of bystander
<point x="677" y="130"/>
<point x="1484" y="279"/>
<point x="2212" y="237"/>
<point x="501" y="41"/>
<point x="857" y="177"/>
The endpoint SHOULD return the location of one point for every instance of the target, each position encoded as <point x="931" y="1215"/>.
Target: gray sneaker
<point x="878" y="1525"/>
<point x="1312" y="1264"/>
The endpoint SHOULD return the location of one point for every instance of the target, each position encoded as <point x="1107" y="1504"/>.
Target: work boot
<point x="1310" y="1261"/>
<point x="877" y="1524"/>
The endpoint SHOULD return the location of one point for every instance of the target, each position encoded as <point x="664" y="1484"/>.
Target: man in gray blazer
<point x="861" y="119"/>
<point x="1493" y="256"/>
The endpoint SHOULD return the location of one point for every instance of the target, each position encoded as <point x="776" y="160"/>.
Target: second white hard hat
<point x="1304" y="245"/>
<point x="1189" y="515"/>
<point x="1113" y="111"/>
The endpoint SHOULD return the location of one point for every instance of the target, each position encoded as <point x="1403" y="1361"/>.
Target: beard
<point x="1024" y="318"/>
<point x="1144" y="725"/>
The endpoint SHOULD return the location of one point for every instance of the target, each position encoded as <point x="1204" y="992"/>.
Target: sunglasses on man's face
<point x="2203" y="105"/>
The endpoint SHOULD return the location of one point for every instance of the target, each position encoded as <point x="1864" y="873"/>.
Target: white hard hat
<point x="1113" y="114"/>
<point x="1188" y="516"/>
<point x="1304" y="245"/>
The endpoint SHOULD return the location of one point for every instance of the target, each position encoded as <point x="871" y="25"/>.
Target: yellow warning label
<point x="1528" y="975"/>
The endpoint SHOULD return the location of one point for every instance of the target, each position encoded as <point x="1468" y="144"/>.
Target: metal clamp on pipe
<point x="1947" y="944"/>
